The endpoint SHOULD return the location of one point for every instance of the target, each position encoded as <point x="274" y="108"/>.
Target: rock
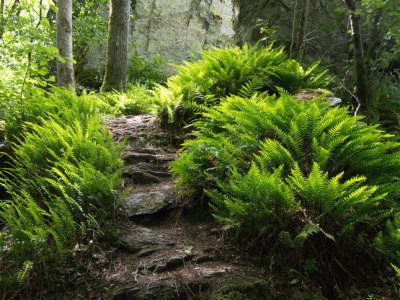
<point x="163" y="292"/>
<point x="146" y="203"/>
<point x="206" y="258"/>
<point x="143" y="241"/>
<point x="333" y="101"/>
<point x="166" y="264"/>
<point x="162" y="27"/>
<point x="311" y="94"/>
<point x="144" y="173"/>
<point x="156" y="158"/>
<point x="174" y="29"/>
<point x="244" y="288"/>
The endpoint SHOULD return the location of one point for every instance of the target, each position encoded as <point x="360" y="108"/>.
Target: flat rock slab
<point x="143" y="241"/>
<point x="146" y="203"/>
<point x="131" y="157"/>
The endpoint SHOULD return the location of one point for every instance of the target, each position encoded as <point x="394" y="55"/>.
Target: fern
<point x="23" y="273"/>
<point x="388" y="241"/>
<point x="274" y="165"/>
<point x="62" y="179"/>
<point x="220" y="73"/>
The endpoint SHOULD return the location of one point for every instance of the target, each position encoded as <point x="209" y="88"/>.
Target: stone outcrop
<point x="177" y="29"/>
<point x="174" y="29"/>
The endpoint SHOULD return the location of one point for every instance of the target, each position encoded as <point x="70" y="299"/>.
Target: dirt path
<point x="165" y="248"/>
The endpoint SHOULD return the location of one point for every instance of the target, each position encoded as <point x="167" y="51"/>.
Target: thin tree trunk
<point x="359" y="59"/>
<point x="117" y="48"/>
<point x="14" y="11"/>
<point x="375" y="37"/>
<point x="2" y="23"/>
<point x="65" y="70"/>
<point x="300" y="44"/>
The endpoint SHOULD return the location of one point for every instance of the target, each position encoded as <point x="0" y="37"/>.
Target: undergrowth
<point x="232" y="71"/>
<point x="62" y="179"/>
<point x="297" y="178"/>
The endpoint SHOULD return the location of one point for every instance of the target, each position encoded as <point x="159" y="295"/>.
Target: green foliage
<point x="388" y="241"/>
<point x="299" y="170"/>
<point x="385" y="101"/>
<point x="38" y="105"/>
<point x="138" y="99"/>
<point x="284" y="131"/>
<point x="233" y="71"/>
<point x="147" y="72"/>
<point x="62" y="180"/>
<point x="89" y="23"/>
<point x="25" y="59"/>
<point x="82" y="157"/>
<point x="90" y="79"/>
<point x="302" y="205"/>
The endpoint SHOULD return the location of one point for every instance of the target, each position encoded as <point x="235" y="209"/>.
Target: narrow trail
<point x="165" y="248"/>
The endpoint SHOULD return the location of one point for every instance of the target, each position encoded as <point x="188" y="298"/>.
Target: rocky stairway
<point x="165" y="249"/>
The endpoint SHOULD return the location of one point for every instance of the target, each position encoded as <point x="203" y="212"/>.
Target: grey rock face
<point x="178" y="28"/>
<point x="175" y="29"/>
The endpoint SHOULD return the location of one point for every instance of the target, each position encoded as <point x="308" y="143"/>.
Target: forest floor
<point x="163" y="246"/>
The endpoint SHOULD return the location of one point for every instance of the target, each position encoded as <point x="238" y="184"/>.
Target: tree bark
<point x="65" y="70"/>
<point x="14" y="11"/>
<point x="300" y="43"/>
<point x="359" y="59"/>
<point x="375" y="37"/>
<point x="2" y="23"/>
<point x="117" y="48"/>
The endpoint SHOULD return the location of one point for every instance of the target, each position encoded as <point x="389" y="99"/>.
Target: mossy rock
<point x="323" y="95"/>
<point x="253" y="289"/>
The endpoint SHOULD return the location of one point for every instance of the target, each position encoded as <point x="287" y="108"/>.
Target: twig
<point x="136" y="272"/>
<point x="293" y="28"/>
<point x="355" y="97"/>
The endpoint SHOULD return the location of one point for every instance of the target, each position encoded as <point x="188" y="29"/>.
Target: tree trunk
<point x="359" y="59"/>
<point x="65" y="69"/>
<point x="14" y="11"/>
<point x="2" y="23"/>
<point x="375" y="37"/>
<point x="117" y="48"/>
<point x="300" y="43"/>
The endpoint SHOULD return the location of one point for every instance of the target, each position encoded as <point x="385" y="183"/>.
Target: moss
<point x="252" y="290"/>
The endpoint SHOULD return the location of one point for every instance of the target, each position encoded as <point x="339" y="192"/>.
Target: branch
<point x="355" y="97"/>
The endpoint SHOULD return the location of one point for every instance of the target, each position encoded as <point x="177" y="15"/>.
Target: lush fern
<point x="283" y="131"/>
<point x="63" y="104"/>
<point x="138" y="99"/>
<point x="62" y="180"/>
<point x="388" y="241"/>
<point x="232" y="71"/>
<point x="260" y="199"/>
<point x="291" y="170"/>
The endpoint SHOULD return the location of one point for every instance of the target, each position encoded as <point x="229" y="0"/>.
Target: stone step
<point x="168" y="264"/>
<point x="209" y="282"/>
<point x="145" y="173"/>
<point x="143" y="241"/>
<point x="149" y="199"/>
<point x="131" y="157"/>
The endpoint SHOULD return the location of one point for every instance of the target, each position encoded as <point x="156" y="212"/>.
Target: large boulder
<point x="178" y="28"/>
